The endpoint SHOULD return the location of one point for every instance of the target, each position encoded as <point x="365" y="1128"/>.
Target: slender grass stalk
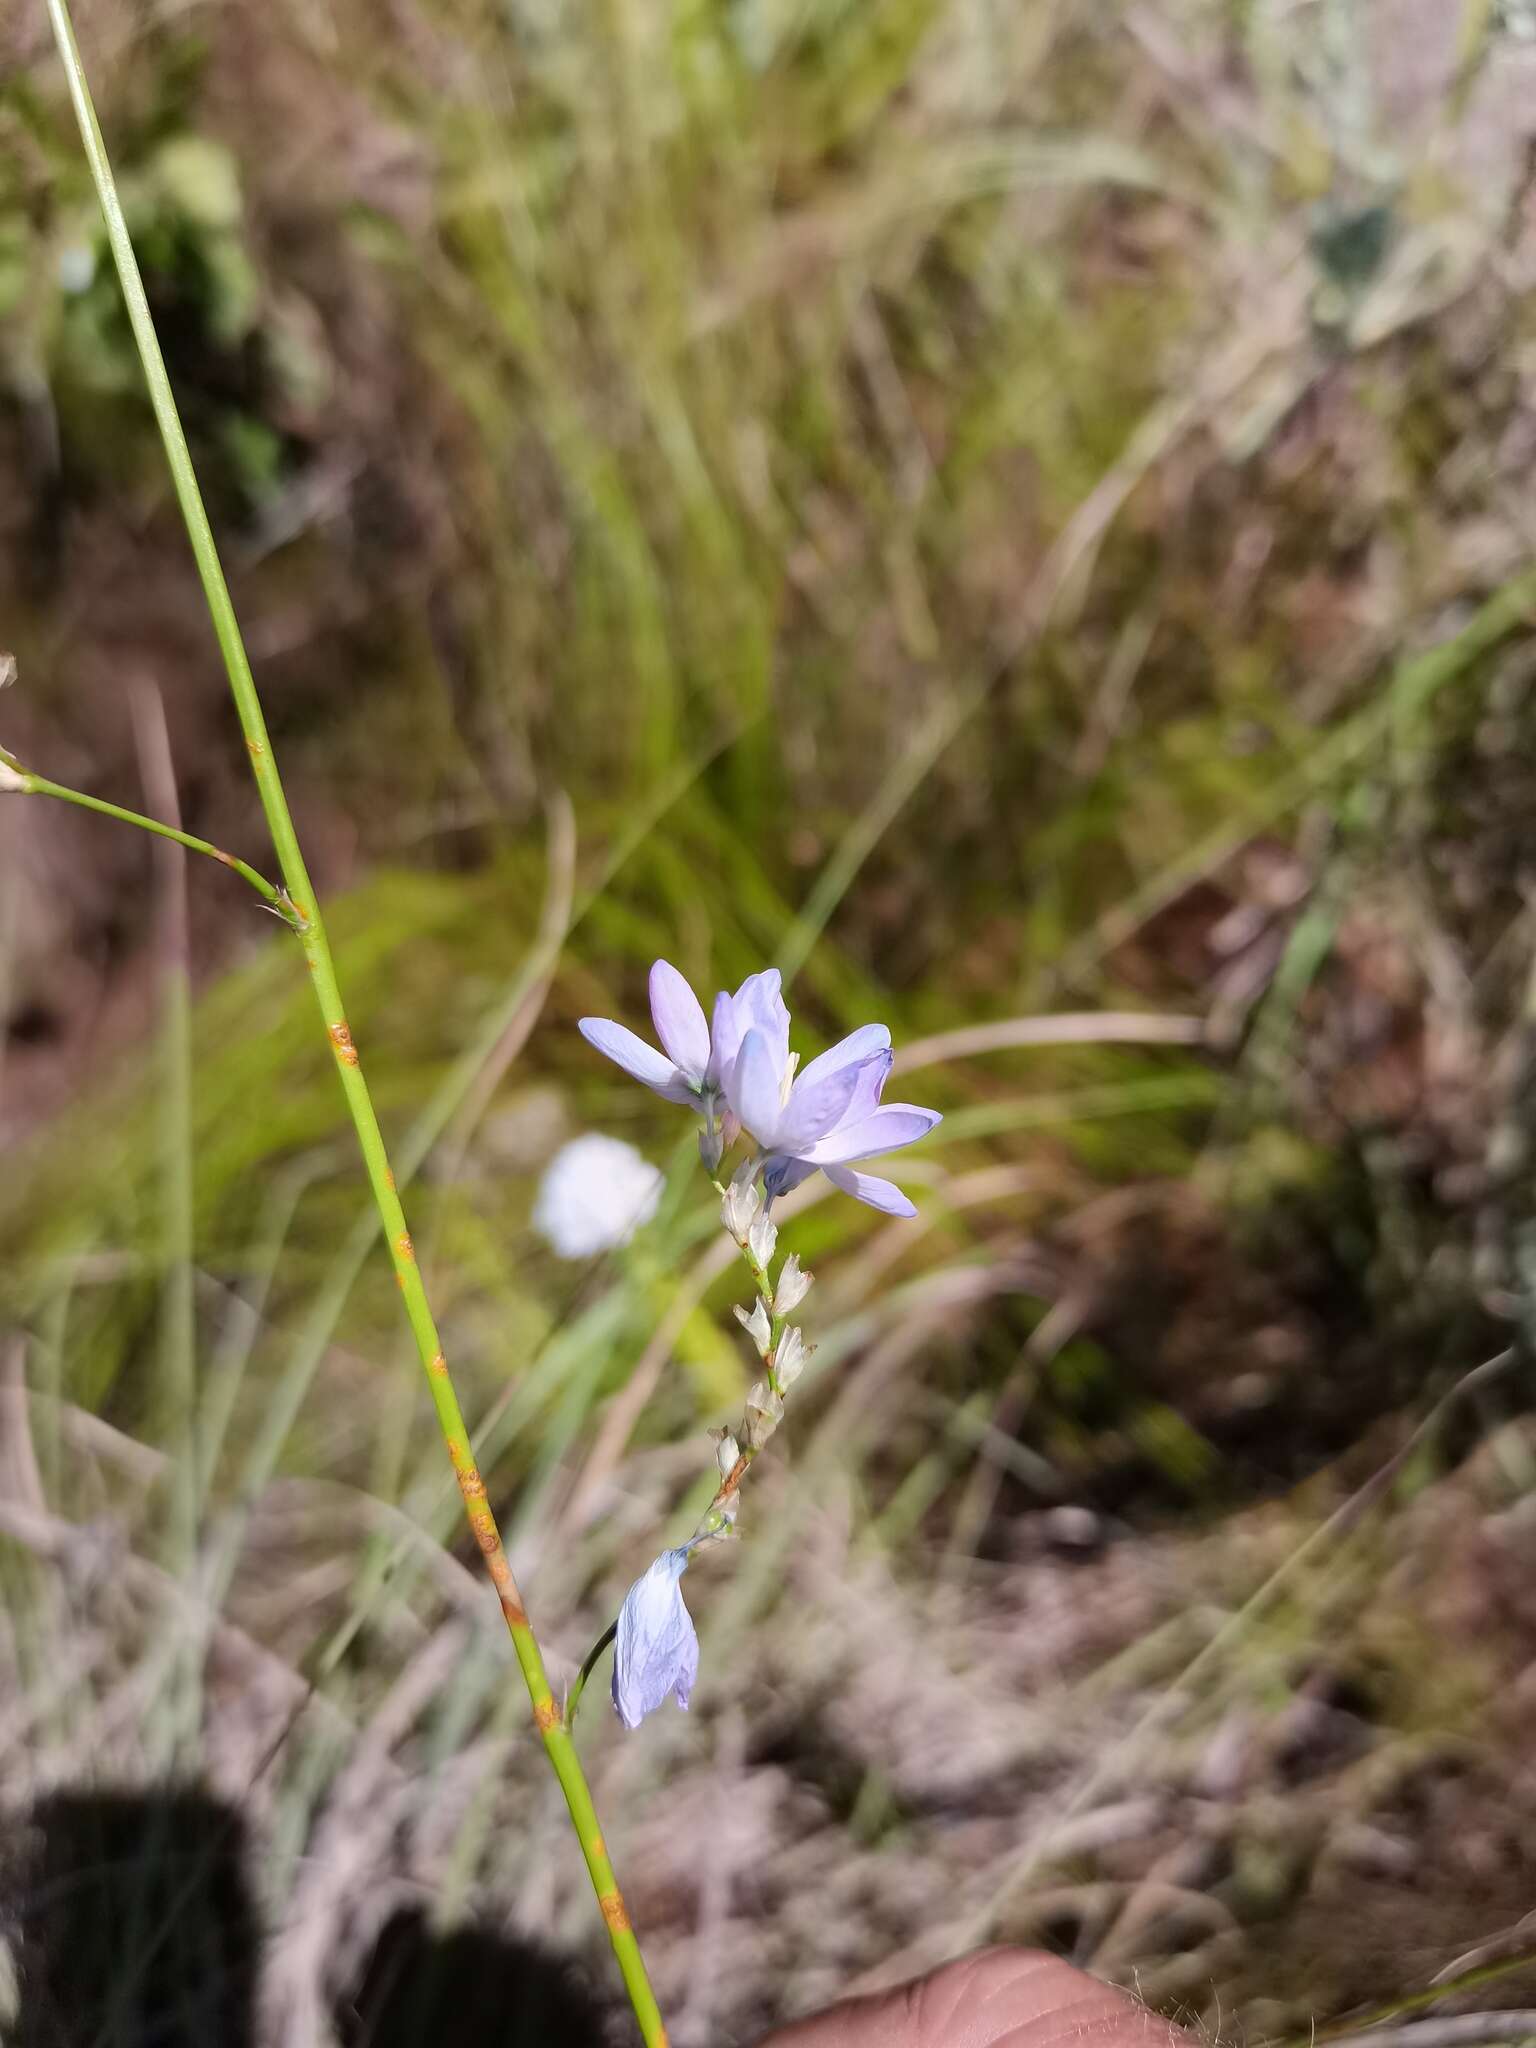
<point x="310" y="925"/>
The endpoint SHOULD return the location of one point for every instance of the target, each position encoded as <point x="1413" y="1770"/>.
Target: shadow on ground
<point x="133" y="1922"/>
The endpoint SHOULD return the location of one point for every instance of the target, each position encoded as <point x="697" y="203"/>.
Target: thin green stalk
<point x="29" y="784"/>
<point x="317" y="953"/>
<point x="589" y="1665"/>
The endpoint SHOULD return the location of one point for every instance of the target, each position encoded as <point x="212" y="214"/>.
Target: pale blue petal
<point x="873" y="1076"/>
<point x="851" y="1051"/>
<point x="679" y="1021"/>
<point x="756" y="1090"/>
<point x="886" y="1130"/>
<point x="656" y="1649"/>
<point x="759" y="1003"/>
<point x="724" y="1042"/>
<point x="619" y="1044"/>
<point x="866" y="1187"/>
<point x="817" y="1104"/>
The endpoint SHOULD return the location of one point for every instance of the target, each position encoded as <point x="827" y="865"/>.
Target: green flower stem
<point x="317" y="953"/>
<point x="764" y="1285"/>
<point x="39" y="785"/>
<point x="578" y="1684"/>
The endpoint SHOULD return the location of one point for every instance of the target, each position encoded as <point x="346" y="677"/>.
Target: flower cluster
<point x="735" y="1067"/>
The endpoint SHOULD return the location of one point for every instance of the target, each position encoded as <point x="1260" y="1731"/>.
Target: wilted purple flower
<point x="697" y="1057"/>
<point x="656" y="1651"/>
<point x="866" y="1129"/>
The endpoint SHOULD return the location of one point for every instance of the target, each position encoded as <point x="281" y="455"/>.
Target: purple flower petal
<point x="873" y="1075"/>
<point x="679" y="1022"/>
<point x="643" y="1061"/>
<point x="781" y="1174"/>
<point x="656" y="1650"/>
<point x="817" y="1105"/>
<point x="757" y="1089"/>
<point x="852" y="1051"/>
<point x="687" y="1666"/>
<point x="887" y="1129"/>
<point x="756" y="1006"/>
<point x="724" y="1040"/>
<point x="867" y="1187"/>
<point x="760" y="1004"/>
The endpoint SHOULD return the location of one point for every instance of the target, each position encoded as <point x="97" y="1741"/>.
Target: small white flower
<point x="12" y="778"/>
<point x="793" y="1287"/>
<point x="762" y="1238"/>
<point x="595" y="1194"/>
<point x="789" y="1359"/>
<point x="738" y="1206"/>
<point x="756" y="1324"/>
<point x="727" y="1454"/>
<point x="765" y="1411"/>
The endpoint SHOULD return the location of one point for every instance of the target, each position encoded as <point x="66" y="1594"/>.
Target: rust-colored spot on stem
<point x="612" y="1904"/>
<point x="438" y="1365"/>
<point x="341" y="1038"/>
<point x="546" y="1715"/>
<point x="256" y="749"/>
<point x="403" y="1243"/>
<point x="483" y="1525"/>
<point x="389" y="1179"/>
<point x="506" y="1587"/>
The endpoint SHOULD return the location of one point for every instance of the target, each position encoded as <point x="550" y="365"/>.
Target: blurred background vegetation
<point x="1015" y="512"/>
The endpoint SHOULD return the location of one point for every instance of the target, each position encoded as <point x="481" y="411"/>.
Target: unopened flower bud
<point x="12" y="778"/>
<point x="727" y="1452"/>
<point x="793" y="1287"/>
<point x="762" y="1238"/>
<point x="756" y="1324"/>
<point x="765" y="1411"/>
<point x="720" y="1521"/>
<point x="738" y="1206"/>
<point x="789" y="1359"/>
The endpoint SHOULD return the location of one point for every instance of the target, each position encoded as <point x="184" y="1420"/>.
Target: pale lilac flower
<point x="697" y="1056"/>
<point x="866" y="1129"/>
<point x="656" y="1650"/>
<point x="784" y="1112"/>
